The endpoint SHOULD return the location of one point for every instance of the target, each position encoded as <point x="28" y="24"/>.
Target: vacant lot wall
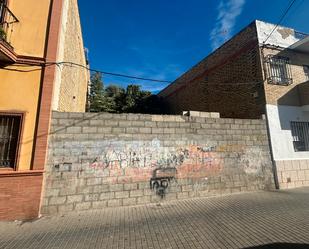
<point x="104" y="160"/>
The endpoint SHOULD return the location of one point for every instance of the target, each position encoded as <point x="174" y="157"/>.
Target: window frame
<point x="19" y="138"/>
<point x="279" y="70"/>
<point x="2" y="15"/>
<point x="306" y="71"/>
<point x="294" y="128"/>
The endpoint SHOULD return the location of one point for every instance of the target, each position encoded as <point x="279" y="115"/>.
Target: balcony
<point x="7" y="21"/>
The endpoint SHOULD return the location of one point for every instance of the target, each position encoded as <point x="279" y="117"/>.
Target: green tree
<point x="114" y="97"/>
<point x="97" y="98"/>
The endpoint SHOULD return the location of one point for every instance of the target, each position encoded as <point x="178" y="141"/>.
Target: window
<point x="306" y="71"/>
<point x="300" y="133"/>
<point x="2" y="10"/>
<point x="10" y="126"/>
<point x="279" y="71"/>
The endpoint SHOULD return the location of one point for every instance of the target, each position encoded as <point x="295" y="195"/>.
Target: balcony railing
<point x="7" y="21"/>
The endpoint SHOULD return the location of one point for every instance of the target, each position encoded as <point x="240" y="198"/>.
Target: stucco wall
<point x="19" y="92"/>
<point x="279" y="118"/>
<point x="286" y="103"/>
<point x="19" y="86"/>
<point x="28" y="36"/>
<point x="99" y="160"/>
<point x="281" y="36"/>
<point x="70" y="90"/>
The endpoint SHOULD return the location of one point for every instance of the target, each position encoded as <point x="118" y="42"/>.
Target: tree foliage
<point x="116" y="99"/>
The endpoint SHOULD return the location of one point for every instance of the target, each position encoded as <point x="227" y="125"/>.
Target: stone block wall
<point x="292" y="173"/>
<point x="99" y="160"/>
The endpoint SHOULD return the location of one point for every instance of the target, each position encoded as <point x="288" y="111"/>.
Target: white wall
<point x="282" y="36"/>
<point x="60" y="55"/>
<point x="279" y="118"/>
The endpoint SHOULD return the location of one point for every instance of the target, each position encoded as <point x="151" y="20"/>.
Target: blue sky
<point x="162" y="39"/>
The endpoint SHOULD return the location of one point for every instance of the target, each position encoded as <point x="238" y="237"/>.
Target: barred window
<point x="2" y="10"/>
<point x="279" y="70"/>
<point x="10" y="126"/>
<point x="306" y="71"/>
<point x="300" y="133"/>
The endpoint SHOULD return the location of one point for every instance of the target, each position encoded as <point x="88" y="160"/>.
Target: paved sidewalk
<point x="236" y="221"/>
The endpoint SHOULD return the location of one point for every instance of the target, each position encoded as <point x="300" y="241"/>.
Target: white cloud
<point x="228" y="11"/>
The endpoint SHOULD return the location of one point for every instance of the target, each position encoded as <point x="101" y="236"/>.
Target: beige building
<point x="71" y="82"/>
<point x="36" y="37"/>
<point x="262" y="70"/>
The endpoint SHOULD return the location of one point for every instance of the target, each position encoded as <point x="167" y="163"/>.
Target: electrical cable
<point x="280" y="20"/>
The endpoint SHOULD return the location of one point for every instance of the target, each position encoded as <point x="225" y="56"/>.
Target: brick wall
<point x="228" y="81"/>
<point x="20" y="195"/>
<point x="295" y="94"/>
<point x="103" y="160"/>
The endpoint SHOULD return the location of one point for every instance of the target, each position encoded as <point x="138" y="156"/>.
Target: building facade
<point x="261" y="70"/>
<point x="34" y="36"/>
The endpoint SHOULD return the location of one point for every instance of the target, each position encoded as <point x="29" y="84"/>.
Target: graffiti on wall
<point x="151" y="155"/>
<point x="252" y="161"/>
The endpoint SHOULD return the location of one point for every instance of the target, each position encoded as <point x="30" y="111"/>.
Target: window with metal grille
<point x="300" y="133"/>
<point x="2" y="10"/>
<point x="306" y="71"/>
<point x="10" y="126"/>
<point x="279" y="70"/>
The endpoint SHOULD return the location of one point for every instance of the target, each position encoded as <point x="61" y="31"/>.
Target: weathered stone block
<point x="129" y="201"/>
<point x="116" y="187"/>
<point x="130" y="186"/>
<point x="143" y="199"/>
<point x="65" y="208"/>
<point x="107" y="195"/>
<point x="94" y="181"/>
<point x="136" y="193"/>
<point x="57" y="200"/>
<point x="99" y="204"/>
<point x="100" y="188"/>
<point x="114" y="203"/>
<point x="122" y="194"/>
<point x="74" y="198"/>
<point x="91" y="197"/>
<point x="73" y="130"/>
<point x="83" y="206"/>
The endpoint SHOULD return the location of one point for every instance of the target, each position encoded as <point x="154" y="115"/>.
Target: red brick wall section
<point x="20" y="195"/>
<point x="47" y="88"/>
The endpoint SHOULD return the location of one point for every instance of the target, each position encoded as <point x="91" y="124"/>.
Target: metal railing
<point x="7" y="21"/>
<point x="300" y="134"/>
<point x="278" y="70"/>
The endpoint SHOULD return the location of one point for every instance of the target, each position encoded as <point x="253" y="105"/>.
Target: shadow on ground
<point x="281" y="246"/>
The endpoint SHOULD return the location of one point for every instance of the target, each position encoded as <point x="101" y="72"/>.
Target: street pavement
<point x="278" y="219"/>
